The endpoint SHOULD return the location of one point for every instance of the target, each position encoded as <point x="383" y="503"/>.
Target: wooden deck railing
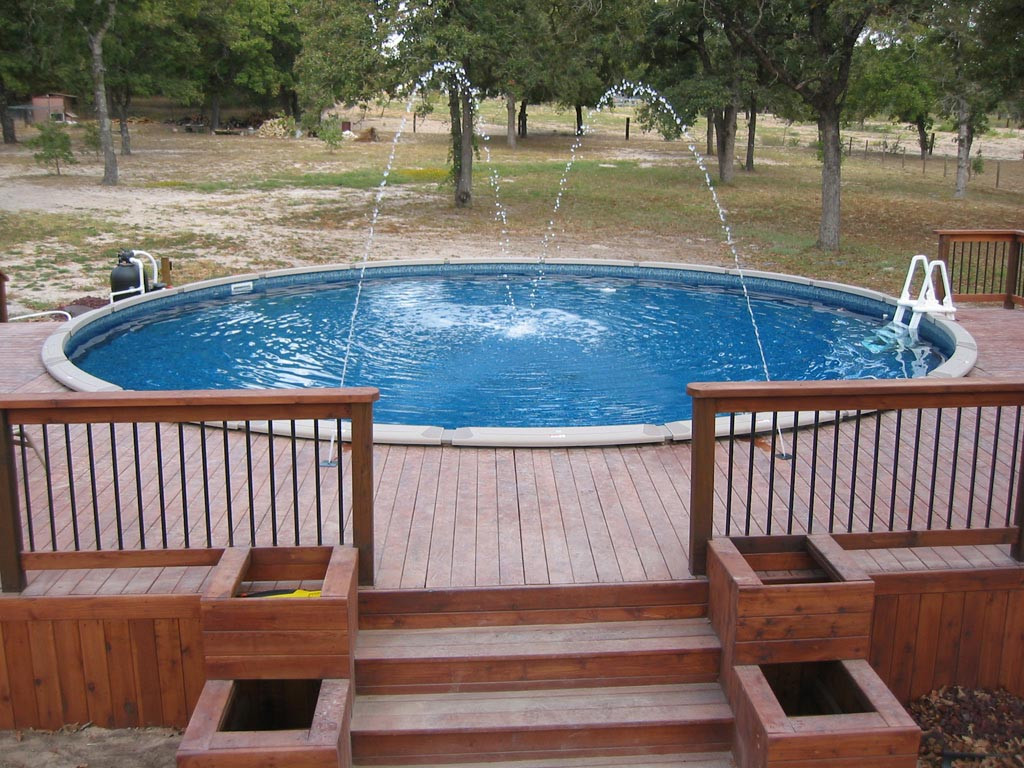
<point x="984" y="264"/>
<point x="162" y="470"/>
<point x="916" y="458"/>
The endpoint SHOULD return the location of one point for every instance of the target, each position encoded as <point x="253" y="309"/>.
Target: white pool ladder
<point x="926" y="301"/>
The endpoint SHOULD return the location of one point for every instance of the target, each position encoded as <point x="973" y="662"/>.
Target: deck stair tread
<point x="542" y="709"/>
<point x="686" y="760"/>
<point x="537" y="639"/>
<point x="477" y="726"/>
<point x="536" y="656"/>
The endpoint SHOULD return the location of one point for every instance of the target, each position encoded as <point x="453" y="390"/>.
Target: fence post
<point x="362" y="489"/>
<point x="702" y="483"/>
<point x="12" y="575"/>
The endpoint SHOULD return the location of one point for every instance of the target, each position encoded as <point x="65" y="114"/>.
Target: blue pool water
<point x="496" y="349"/>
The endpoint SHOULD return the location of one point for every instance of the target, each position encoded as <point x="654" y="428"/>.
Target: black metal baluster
<point x="834" y="491"/>
<point x="205" y="459"/>
<point x="252" y="490"/>
<point x="317" y="487"/>
<point x="815" y="435"/>
<point x="184" y="484"/>
<point x="730" y="473"/>
<point x="792" y="473"/>
<point x="71" y="487"/>
<point x="295" y="482"/>
<point x="772" y="449"/>
<point x="160" y="480"/>
<point x="935" y="466"/>
<point x="1013" y="479"/>
<point x="227" y="486"/>
<point x="854" y="468"/>
<point x="874" y="471"/>
<point x="954" y="467"/>
<point x="90" y="445"/>
<point x="340" y="469"/>
<point x="273" y="483"/>
<point x="994" y="464"/>
<point x="913" y="470"/>
<point x="117" y="488"/>
<point x="895" y="470"/>
<point x="30" y="528"/>
<point x="49" y="487"/>
<point x="974" y="466"/>
<point x="750" y="476"/>
<point x="138" y="485"/>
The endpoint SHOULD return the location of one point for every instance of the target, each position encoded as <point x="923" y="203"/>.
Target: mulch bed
<point x="987" y="725"/>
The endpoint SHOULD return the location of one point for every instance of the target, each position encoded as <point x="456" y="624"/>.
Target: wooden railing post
<point x="3" y="297"/>
<point x="940" y="289"/>
<point x="1017" y="547"/>
<point x="362" y="489"/>
<point x="12" y="575"/>
<point x="702" y="483"/>
<point x="1013" y="256"/>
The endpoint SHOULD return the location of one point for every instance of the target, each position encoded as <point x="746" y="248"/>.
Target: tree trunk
<point x="100" y="97"/>
<point x="828" y="129"/>
<point x="122" y="117"/>
<point x="510" y="106"/>
<point x="579" y="119"/>
<point x="455" y="115"/>
<point x="215" y="112"/>
<point x="922" y="135"/>
<point x="464" y="188"/>
<point x="751" y="131"/>
<point x="7" y="119"/>
<point x="522" y="120"/>
<point x="725" y="128"/>
<point x="964" y="139"/>
<point x="711" y="133"/>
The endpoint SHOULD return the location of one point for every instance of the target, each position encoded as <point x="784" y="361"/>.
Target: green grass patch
<point x="360" y="178"/>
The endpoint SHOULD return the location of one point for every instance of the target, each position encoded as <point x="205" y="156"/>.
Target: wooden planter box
<point x="280" y="637"/>
<point x="787" y="599"/>
<point x="269" y="724"/>
<point x="835" y="713"/>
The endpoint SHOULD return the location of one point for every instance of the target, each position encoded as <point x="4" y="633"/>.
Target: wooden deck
<point x="461" y="517"/>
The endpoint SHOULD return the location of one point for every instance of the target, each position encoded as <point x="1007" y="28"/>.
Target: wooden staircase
<point x="583" y="677"/>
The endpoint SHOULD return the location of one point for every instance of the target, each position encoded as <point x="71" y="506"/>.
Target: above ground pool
<point x="549" y="347"/>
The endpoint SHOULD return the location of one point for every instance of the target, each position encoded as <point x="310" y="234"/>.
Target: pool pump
<point x="129" y="277"/>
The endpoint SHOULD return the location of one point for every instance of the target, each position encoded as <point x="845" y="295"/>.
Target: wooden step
<point x="505" y="606"/>
<point x="688" y="760"/>
<point x="536" y="656"/>
<point x="565" y="723"/>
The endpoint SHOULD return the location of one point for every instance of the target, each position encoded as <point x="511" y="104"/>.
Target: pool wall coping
<point x="959" y="364"/>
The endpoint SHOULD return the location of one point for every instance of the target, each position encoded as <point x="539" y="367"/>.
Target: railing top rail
<point x="171" y="406"/>
<point x="846" y="395"/>
<point x="980" y="234"/>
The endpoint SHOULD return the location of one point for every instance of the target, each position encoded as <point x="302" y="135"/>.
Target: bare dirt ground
<point x="89" y="747"/>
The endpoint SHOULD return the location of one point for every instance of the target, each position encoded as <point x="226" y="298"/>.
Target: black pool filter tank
<point x="125" y="277"/>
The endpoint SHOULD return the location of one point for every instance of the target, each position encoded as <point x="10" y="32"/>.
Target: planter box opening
<point x="815" y="688"/>
<point x="271" y="705"/>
